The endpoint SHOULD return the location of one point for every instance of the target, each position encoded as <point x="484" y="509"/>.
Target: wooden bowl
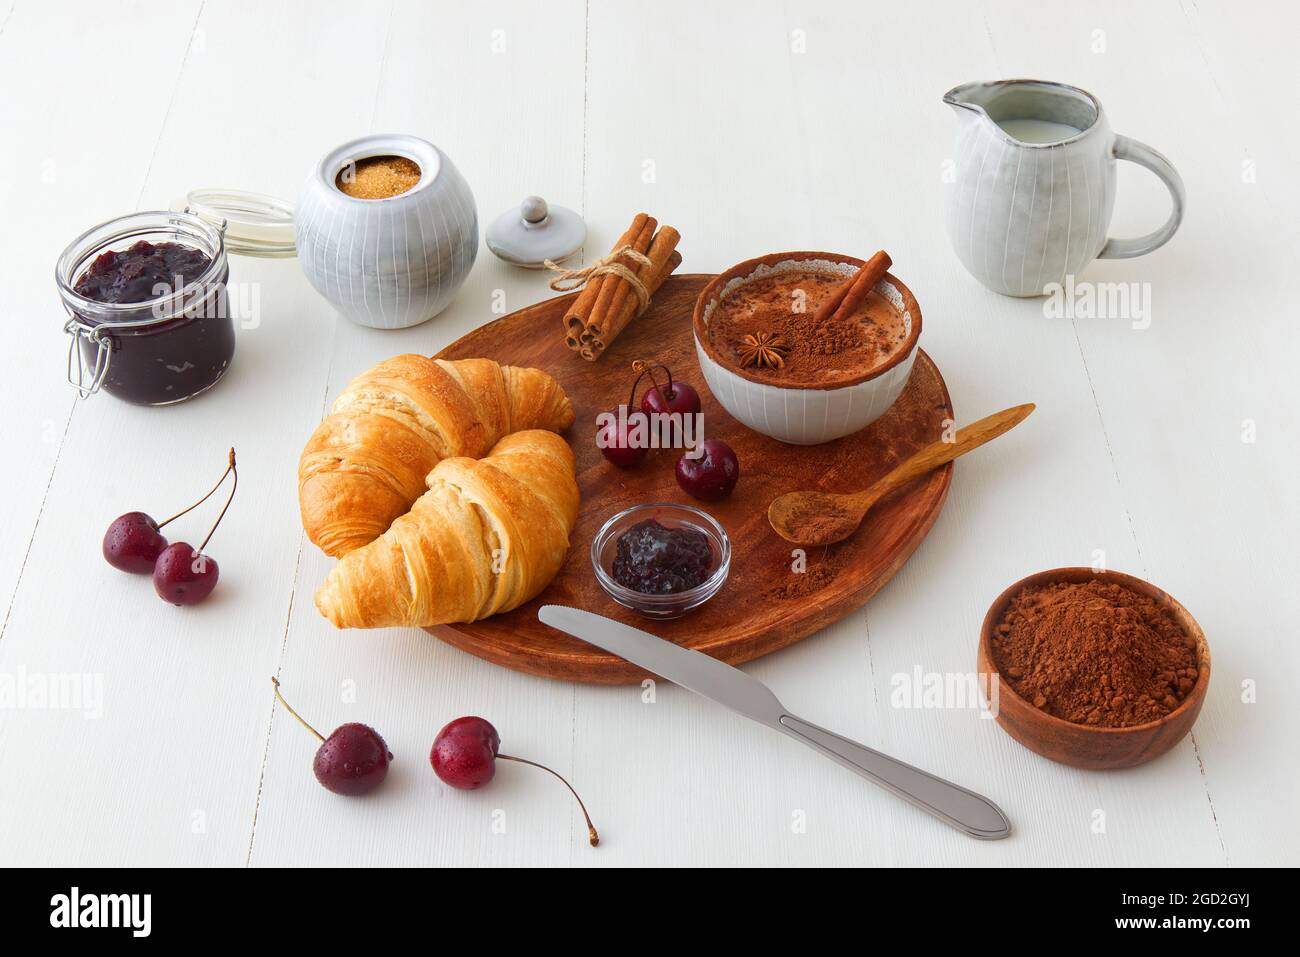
<point x="1080" y="745"/>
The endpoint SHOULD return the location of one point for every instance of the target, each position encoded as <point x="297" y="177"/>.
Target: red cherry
<point x="678" y="397"/>
<point x="184" y="576"/>
<point x="614" y="441"/>
<point x="353" y="760"/>
<point x="133" y="543"/>
<point x="712" y="475"/>
<point x="464" y="755"/>
<point x="671" y="397"/>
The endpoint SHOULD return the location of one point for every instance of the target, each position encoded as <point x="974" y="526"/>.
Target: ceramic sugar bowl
<point x="387" y="261"/>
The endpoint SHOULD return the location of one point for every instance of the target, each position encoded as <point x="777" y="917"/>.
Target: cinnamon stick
<point x="615" y="290"/>
<point x="841" y="303"/>
<point x="575" y="318"/>
<point x="653" y="277"/>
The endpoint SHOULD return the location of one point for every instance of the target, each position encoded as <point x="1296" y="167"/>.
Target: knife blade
<point x="968" y="812"/>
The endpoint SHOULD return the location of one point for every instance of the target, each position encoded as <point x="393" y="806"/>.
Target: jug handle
<point x="1143" y="155"/>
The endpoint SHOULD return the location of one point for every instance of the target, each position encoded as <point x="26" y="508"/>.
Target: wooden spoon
<point x="823" y="518"/>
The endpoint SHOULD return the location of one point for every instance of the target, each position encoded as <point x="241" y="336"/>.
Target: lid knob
<point x="534" y="231"/>
<point x="534" y="210"/>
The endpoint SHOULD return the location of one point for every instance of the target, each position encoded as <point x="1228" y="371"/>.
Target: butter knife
<point x="965" y="810"/>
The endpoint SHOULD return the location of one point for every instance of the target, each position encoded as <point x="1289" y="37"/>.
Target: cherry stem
<point x="275" y="681"/>
<point x="647" y="368"/>
<point x="229" y="465"/>
<point x="639" y="367"/>
<point x="591" y="828"/>
<point x="668" y="372"/>
<point x="230" y="498"/>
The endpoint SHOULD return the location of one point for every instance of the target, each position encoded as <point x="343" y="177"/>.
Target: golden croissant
<point x="487" y="536"/>
<point x="366" y="463"/>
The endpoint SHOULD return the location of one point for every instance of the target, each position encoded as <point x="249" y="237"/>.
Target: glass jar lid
<point x="255" y="224"/>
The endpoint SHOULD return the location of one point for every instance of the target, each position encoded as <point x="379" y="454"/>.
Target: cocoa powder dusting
<point x="1094" y="653"/>
<point x="784" y="305"/>
<point x="821" y="571"/>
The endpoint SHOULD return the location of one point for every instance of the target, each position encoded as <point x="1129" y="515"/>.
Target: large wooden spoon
<point x="823" y="518"/>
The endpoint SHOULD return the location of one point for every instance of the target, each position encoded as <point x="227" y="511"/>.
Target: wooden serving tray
<point x="764" y="605"/>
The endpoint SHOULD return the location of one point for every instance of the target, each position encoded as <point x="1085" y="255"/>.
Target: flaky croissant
<point x="366" y="463"/>
<point x="487" y="536"/>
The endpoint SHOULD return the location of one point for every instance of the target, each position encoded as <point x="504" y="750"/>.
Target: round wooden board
<point x="764" y="605"/>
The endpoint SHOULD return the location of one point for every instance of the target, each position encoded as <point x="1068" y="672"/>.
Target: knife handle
<point x="965" y="810"/>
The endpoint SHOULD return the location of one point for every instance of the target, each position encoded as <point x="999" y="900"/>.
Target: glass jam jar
<point x="160" y="350"/>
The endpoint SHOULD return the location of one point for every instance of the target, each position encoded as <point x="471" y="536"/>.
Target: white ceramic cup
<point x="804" y="416"/>
<point x="394" y="262"/>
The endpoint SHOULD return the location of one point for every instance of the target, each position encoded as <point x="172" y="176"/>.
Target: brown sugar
<point x="1094" y="653"/>
<point x="378" y="177"/>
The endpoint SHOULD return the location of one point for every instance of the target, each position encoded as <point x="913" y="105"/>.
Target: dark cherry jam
<point x="144" y="271"/>
<point x="656" y="560"/>
<point x="163" y="357"/>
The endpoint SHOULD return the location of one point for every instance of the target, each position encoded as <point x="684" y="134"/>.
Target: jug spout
<point x="1000" y="100"/>
<point x="968" y="98"/>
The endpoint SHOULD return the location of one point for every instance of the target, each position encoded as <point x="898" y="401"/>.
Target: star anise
<point x="763" y="349"/>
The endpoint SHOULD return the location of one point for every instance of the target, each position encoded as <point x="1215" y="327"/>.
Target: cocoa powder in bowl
<point x="1094" y="653"/>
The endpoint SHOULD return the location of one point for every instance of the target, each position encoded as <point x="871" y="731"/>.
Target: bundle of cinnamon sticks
<point x="609" y="301"/>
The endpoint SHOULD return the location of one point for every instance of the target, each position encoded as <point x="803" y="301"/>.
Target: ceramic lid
<point x="255" y="224"/>
<point x="531" y="233"/>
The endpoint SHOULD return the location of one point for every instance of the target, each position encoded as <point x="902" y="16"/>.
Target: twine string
<point x="570" y="279"/>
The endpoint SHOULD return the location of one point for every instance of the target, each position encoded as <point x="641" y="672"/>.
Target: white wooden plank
<point x="1200" y="407"/>
<point x="169" y="774"/>
<point x="499" y="89"/>
<point x="54" y="184"/>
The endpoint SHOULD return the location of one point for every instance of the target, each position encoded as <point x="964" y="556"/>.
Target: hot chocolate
<point x="769" y="330"/>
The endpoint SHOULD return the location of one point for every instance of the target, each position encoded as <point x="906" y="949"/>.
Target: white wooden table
<point x="753" y="127"/>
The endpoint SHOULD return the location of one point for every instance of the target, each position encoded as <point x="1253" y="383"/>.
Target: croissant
<point x="366" y="462"/>
<point x="487" y="536"/>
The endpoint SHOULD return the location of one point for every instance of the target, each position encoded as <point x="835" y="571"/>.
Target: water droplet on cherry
<point x="712" y="475"/>
<point x="184" y="576"/>
<point x="133" y="543"/>
<point x="353" y="760"/>
<point x="465" y="753"/>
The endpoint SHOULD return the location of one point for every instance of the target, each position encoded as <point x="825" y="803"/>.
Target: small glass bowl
<point x="604" y="548"/>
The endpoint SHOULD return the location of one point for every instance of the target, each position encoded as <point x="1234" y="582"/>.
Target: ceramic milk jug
<point x="1035" y="184"/>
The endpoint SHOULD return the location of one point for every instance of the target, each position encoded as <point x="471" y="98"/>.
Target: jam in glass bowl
<point x="661" y="559"/>
<point x="150" y="318"/>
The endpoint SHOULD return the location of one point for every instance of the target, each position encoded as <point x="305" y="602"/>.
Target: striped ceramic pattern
<point x="388" y="263"/>
<point x="1022" y="216"/>
<point x="804" y="416"/>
